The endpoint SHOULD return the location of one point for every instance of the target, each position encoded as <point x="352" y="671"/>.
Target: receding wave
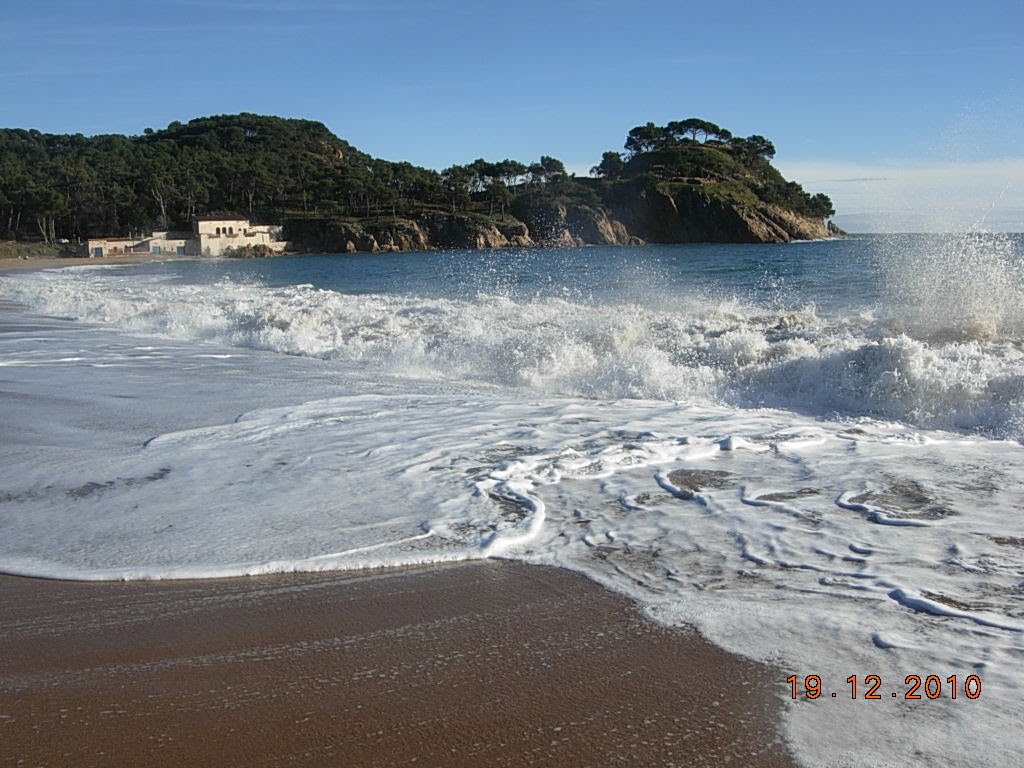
<point x="705" y="351"/>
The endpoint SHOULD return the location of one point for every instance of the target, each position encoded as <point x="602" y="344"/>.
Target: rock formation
<point x="680" y="214"/>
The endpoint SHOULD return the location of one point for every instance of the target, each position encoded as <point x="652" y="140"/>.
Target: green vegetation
<point x="54" y="186"/>
<point x="70" y="187"/>
<point x="12" y="250"/>
<point x="698" y="149"/>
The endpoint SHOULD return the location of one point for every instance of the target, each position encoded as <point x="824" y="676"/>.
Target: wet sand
<point x="45" y="262"/>
<point x="475" y="664"/>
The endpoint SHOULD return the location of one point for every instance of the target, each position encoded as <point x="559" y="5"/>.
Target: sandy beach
<point x="36" y="262"/>
<point x="492" y="663"/>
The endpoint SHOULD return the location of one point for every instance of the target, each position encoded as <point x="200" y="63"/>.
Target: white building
<point x="210" y="236"/>
<point x="214" y="235"/>
<point x="157" y="244"/>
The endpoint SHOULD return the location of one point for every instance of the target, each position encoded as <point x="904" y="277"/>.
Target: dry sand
<point x="478" y="664"/>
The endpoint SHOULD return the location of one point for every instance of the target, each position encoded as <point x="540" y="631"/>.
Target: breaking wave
<point x="706" y="351"/>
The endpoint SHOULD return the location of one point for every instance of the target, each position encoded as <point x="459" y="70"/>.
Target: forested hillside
<point x="329" y="194"/>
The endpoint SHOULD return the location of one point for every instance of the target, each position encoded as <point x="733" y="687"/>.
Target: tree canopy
<point x="697" y="149"/>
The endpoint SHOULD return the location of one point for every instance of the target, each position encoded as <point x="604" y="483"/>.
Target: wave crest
<point x="721" y="352"/>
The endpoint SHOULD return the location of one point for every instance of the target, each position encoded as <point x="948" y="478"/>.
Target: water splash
<point x="937" y="346"/>
<point x="955" y="287"/>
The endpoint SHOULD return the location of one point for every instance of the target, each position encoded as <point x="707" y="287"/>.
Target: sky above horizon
<point x="910" y="115"/>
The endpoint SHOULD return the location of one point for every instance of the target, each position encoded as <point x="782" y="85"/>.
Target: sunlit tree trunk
<point x="161" y="200"/>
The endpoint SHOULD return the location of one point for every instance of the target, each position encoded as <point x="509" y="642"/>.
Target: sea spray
<point x="925" y="354"/>
<point x="954" y="287"/>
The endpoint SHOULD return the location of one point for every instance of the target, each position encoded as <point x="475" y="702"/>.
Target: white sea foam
<point x="649" y="449"/>
<point x="706" y="351"/>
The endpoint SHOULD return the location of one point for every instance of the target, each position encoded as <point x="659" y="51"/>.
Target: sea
<point x="811" y="453"/>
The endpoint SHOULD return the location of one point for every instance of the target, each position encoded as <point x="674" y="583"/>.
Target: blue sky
<point x="892" y="107"/>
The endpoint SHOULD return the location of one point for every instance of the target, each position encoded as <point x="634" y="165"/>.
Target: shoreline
<point x="483" y="663"/>
<point x="52" y="262"/>
<point x="16" y="264"/>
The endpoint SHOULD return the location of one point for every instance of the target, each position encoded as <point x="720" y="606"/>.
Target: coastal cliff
<point x="686" y="213"/>
<point x="432" y="232"/>
<point x="685" y="216"/>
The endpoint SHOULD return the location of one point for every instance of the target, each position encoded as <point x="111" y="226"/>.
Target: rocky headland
<point x="679" y="216"/>
<point x="688" y="181"/>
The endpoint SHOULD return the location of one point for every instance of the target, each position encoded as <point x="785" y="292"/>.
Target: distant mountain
<point x="688" y="181"/>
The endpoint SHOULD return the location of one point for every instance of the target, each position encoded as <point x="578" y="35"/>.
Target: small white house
<point x="115" y="246"/>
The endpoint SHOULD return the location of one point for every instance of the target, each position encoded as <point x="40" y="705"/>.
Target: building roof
<point x="220" y="218"/>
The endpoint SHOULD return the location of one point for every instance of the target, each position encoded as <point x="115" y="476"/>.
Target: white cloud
<point x="933" y="197"/>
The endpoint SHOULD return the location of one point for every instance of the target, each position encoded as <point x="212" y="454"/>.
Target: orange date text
<point x="872" y="688"/>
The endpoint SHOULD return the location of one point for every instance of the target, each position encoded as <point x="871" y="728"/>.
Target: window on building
<point x="218" y="230"/>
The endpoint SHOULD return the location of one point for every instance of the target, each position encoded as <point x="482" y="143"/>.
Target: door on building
<point x="156" y="250"/>
<point x="181" y="250"/>
<point x="97" y="253"/>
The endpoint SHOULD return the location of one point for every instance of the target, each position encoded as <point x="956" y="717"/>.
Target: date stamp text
<point x="871" y="687"/>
